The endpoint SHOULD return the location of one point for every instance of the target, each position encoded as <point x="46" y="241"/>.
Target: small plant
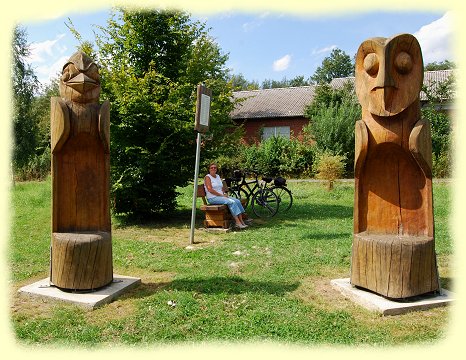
<point x="330" y="167"/>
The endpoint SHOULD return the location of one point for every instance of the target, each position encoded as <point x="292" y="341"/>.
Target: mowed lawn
<point x="270" y="282"/>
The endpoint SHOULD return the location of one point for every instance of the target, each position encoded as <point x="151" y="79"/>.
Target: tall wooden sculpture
<point x="81" y="256"/>
<point x="393" y="250"/>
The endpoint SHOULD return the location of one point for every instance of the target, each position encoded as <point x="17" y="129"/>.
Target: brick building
<point x="280" y="111"/>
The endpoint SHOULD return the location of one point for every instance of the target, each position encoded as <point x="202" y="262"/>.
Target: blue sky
<point x="263" y="45"/>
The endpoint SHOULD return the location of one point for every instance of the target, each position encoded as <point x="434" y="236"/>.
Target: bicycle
<point x="240" y="187"/>
<point x="264" y="202"/>
<point x="285" y="198"/>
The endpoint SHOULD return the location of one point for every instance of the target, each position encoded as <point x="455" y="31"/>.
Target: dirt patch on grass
<point x="319" y="291"/>
<point x="22" y="304"/>
<point x="178" y="237"/>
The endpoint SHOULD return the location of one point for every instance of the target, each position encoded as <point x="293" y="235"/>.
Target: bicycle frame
<point x="244" y="185"/>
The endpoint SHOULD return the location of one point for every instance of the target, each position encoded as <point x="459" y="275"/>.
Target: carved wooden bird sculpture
<point x="81" y="254"/>
<point x="393" y="250"/>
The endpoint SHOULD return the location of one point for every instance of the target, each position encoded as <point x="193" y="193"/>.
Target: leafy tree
<point x="438" y="95"/>
<point x="329" y="167"/>
<point x="41" y="111"/>
<point x="25" y="84"/>
<point x="151" y="63"/>
<point x="337" y="65"/>
<point x="298" y="81"/>
<point x="332" y="116"/>
<point x="441" y="65"/>
<point x="272" y="84"/>
<point x="239" y="82"/>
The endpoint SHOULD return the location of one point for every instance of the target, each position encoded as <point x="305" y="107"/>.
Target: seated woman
<point x="215" y="196"/>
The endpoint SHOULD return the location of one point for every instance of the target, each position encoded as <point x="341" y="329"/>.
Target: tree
<point x="332" y="116"/>
<point x="438" y="94"/>
<point x="441" y="65"/>
<point x="239" y="82"/>
<point x="151" y="64"/>
<point x="337" y="65"/>
<point x="25" y="84"/>
<point x="272" y="84"/>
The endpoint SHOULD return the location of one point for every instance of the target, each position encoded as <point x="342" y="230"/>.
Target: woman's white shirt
<point x="217" y="185"/>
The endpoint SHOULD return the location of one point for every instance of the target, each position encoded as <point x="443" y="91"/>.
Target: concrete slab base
<point x="91" y="299"/>
<point x="375" y="302"/>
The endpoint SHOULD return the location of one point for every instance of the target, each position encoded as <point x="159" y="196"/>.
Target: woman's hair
<point x="213" y="163"/>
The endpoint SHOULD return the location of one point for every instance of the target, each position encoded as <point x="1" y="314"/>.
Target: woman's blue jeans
<point x="233" y="204"/>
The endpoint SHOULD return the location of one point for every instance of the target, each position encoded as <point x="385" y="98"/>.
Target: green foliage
<point x="276" y="156"/>
<point x="442" y="165"/>
<point x="296" y="81"/>
<point x="38" y="166"/>
<point x="151" y="63"/>
<point x="329" y="167"/>
<point x="337" y="65"/>
<point x="85" y="46"/>
<point x="438" y="94"/>
<point x="332" y="116"/>
<point x="440" y="65"/>
<point x="239" y="82"/>
<point x="24" y="83"/>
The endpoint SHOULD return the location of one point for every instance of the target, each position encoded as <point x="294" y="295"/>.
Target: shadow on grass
<point x="178" y="219"/>
<point x="182" y="217"/>
<point x="217" y="285"/>
<point x="316" y="211"/>
<point x="327" y="236"/>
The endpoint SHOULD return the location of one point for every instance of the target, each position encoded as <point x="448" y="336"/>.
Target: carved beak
<point x="82" y="83"/>
<point x="385" y="88"/>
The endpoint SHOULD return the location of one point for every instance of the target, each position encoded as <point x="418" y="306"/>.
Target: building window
<point x="269" y="131"/>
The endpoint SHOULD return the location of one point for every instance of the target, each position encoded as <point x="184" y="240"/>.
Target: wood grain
<point x="80" y="140"/>
<point x="393" y="250"/>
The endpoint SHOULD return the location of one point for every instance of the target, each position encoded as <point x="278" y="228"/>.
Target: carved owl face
<point x="389" y="74"/>
<point x="80" y="79"/>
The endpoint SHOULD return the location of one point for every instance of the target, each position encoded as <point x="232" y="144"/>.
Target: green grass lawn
<point x="270" y="282"/>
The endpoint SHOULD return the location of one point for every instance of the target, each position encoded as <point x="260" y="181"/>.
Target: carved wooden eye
<point x="403" y="63"/>
<point x="371" y="64"/>
<point x="69" y="72"/>
<point x="66" y="75"/>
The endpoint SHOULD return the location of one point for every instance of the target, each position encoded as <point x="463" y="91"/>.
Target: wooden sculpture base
<point x="394" y="266"/>
<point x="84" y="260"/>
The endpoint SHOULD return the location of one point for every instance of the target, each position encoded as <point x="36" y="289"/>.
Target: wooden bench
<point x="215" y="215"/>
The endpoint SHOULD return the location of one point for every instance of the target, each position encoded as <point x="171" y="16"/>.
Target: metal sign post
<point x="201" y="126"/>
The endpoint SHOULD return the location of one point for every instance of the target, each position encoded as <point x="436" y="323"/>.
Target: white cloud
<point x="251" y="25"/>
<point x="48" y="48"/>
<point x="282" y="63"/>
<point x="48" y="57"/>
<point x="435" y="39"/>
<point x="46" y="72"/>
<point x="323" y="50"/>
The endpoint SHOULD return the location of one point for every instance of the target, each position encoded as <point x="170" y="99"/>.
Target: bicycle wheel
<point x="240" y="194"/>
<point x="264" y="203"/>
<point x="285" y="199"/>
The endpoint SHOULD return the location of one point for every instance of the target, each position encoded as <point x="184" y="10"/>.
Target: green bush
<point x="272" y="157"/>
<point x="330" y="167"/>
<point x="332" y="129"/>
<point x="37" y="168"/>
<point x="441" y="165"/>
